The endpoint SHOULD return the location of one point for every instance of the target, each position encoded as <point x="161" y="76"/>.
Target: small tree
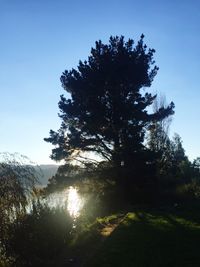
<point x="158" y="139"/>
<point x="17" y="181"/>
<point x="107" y="112"/>
<point x="196" y="167"/>
<point x="158" y="130"/>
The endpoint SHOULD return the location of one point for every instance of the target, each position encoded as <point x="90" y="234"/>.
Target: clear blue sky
<point x="42" y="38"/>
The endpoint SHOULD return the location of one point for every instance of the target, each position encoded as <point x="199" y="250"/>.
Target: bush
<point x="189" y="191"/>
<point x="37" y="239"/>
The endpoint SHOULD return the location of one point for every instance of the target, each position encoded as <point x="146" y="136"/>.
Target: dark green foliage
<point x="38" y="238"/>
<point x="178" y="178"/>
<point x="177" y="166"/>
<point x="107" y="112"/>
<point x="196" y="169"/>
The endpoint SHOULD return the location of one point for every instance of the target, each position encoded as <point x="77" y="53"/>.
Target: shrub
<point x="36" y="239"/>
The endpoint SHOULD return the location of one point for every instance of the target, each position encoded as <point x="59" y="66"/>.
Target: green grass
<point x="150" y="238"/>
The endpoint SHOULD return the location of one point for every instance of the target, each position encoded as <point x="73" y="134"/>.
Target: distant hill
<point x="45" y="172"/>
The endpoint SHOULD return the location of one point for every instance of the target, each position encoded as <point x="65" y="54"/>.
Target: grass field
<point x="167" y="237"/>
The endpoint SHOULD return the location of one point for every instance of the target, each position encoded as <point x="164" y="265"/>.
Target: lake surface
<point x="68" y="199"/>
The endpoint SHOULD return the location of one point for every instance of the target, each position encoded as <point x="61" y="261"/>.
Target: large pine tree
<point x="107" y="111"/>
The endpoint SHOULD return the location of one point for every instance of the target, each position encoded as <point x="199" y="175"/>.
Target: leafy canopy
<point x="107" y="111"/>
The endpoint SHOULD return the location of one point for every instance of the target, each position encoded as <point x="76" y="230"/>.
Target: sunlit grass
<point x="149" y="238"/>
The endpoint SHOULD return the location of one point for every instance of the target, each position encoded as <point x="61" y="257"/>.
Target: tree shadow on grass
<point x="148" y="240"/>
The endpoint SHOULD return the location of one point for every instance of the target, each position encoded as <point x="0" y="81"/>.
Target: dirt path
<point x="108" y="228"/>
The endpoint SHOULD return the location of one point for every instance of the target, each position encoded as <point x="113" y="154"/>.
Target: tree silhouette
<point x="107" y="112"/>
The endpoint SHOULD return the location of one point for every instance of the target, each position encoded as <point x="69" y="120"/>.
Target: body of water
<point x="68" y="199"/>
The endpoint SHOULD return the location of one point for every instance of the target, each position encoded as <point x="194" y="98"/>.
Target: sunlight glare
<point x="74" y="202"/>
<point x="68" y="199"/>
